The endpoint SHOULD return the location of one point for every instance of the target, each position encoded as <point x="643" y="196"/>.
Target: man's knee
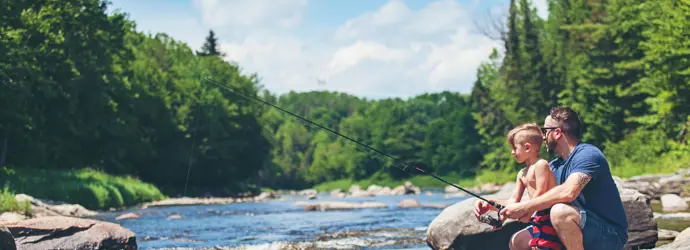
<point x="564" y="214"/>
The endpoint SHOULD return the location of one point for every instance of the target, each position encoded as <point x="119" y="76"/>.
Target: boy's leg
<point x="520" y="240"/>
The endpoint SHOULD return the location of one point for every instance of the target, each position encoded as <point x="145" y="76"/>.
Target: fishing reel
<point x="486" y="218"/>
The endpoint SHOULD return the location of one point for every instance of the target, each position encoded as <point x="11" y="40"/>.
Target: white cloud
<point x="252" y="13"/>
<point x="393" y="51"/>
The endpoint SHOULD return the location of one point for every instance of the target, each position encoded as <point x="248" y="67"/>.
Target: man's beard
<point x="551" y="146"/>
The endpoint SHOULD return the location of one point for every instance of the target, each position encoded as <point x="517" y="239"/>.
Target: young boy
<point x="537" y="178"/>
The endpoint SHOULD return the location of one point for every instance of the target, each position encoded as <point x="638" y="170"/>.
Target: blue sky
<point x="369" y="48"/>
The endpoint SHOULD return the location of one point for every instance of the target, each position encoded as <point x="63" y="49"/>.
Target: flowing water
<point x="281" y="224"/>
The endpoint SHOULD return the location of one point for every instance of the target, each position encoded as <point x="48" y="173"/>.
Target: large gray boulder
<point x="59" y="232"/>
<point x="457" y="228"/>
<point x="642" y="228"/>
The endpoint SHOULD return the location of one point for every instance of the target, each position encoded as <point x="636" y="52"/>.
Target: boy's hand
<point x="481" y="207"/>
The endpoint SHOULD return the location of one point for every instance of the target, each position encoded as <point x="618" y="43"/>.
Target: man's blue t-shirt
<point x="600" y="195"/>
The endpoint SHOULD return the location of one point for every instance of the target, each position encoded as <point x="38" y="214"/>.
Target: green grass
<point x="423" y="181"/>
<point x="664" y="164"/>
<point x="9" y="204"/>
<point x="89" y="188"/>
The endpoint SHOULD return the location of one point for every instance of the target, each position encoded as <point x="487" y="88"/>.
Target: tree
<point x="210" y="47"/>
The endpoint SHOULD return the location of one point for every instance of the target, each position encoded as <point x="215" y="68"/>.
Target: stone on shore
<point x="41" y="208"/>
<point x="59" y="232"/>
<point x="673" y="203"/>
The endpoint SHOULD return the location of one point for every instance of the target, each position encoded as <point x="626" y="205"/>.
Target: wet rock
<point x="673" y="203"/>
<point x="175" y="217"/>
<point x="337" y="205"/>
<point x="312" y="197"/>
<point x="127" y="216"/>
<point x="59" y="232"/>
<point x="6" y="239"/>
<point x="408" y="203"/>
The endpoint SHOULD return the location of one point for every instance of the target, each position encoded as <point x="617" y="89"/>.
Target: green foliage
<point x="81" y="88"/>
<point x="8" y="202"/>
<point x="90" y="188"/>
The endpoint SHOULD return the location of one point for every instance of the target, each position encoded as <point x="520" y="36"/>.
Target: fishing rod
<point x="494" y="204"/>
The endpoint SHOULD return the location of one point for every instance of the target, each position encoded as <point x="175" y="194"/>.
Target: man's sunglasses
<point x="544" y="130"/>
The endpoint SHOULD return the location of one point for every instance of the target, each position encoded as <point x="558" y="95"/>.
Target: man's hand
<point x="513" y="211"/>
<point x="481" y="207"/>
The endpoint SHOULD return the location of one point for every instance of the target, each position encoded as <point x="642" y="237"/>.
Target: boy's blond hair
<point x="526" y="133"/>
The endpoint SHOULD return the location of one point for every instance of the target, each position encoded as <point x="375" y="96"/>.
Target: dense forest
<point x="81" y="88"/>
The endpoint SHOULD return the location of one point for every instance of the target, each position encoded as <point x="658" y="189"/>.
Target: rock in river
<point x="457" y="228"/>
<point x="58" y="232"/>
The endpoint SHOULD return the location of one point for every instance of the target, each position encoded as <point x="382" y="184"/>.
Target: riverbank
<point x="87" y="187"/>
<point x="274" y="217"/>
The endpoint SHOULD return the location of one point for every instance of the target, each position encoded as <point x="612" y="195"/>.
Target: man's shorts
<point x="599" y="234"/>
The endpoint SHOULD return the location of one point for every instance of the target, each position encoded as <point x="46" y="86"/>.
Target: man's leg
<point x="520" y="240"/>
<point x="566" y="220"/>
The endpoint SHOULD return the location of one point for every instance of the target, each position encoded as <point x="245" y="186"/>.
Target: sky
<point x="369" y="48"/>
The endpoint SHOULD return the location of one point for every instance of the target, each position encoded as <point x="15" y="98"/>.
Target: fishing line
<point x="191" y="150"/>
<point x="496" y="205"/>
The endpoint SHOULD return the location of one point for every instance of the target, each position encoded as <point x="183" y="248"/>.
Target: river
<point x="280" y="224"/>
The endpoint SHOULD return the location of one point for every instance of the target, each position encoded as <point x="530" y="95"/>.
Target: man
<point x="586" y="209"/>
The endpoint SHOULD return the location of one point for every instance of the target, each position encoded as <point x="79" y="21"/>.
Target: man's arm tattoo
<point x="583" y="179"/>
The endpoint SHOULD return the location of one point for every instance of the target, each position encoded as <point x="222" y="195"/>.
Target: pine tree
<point x="210" y="47"/>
